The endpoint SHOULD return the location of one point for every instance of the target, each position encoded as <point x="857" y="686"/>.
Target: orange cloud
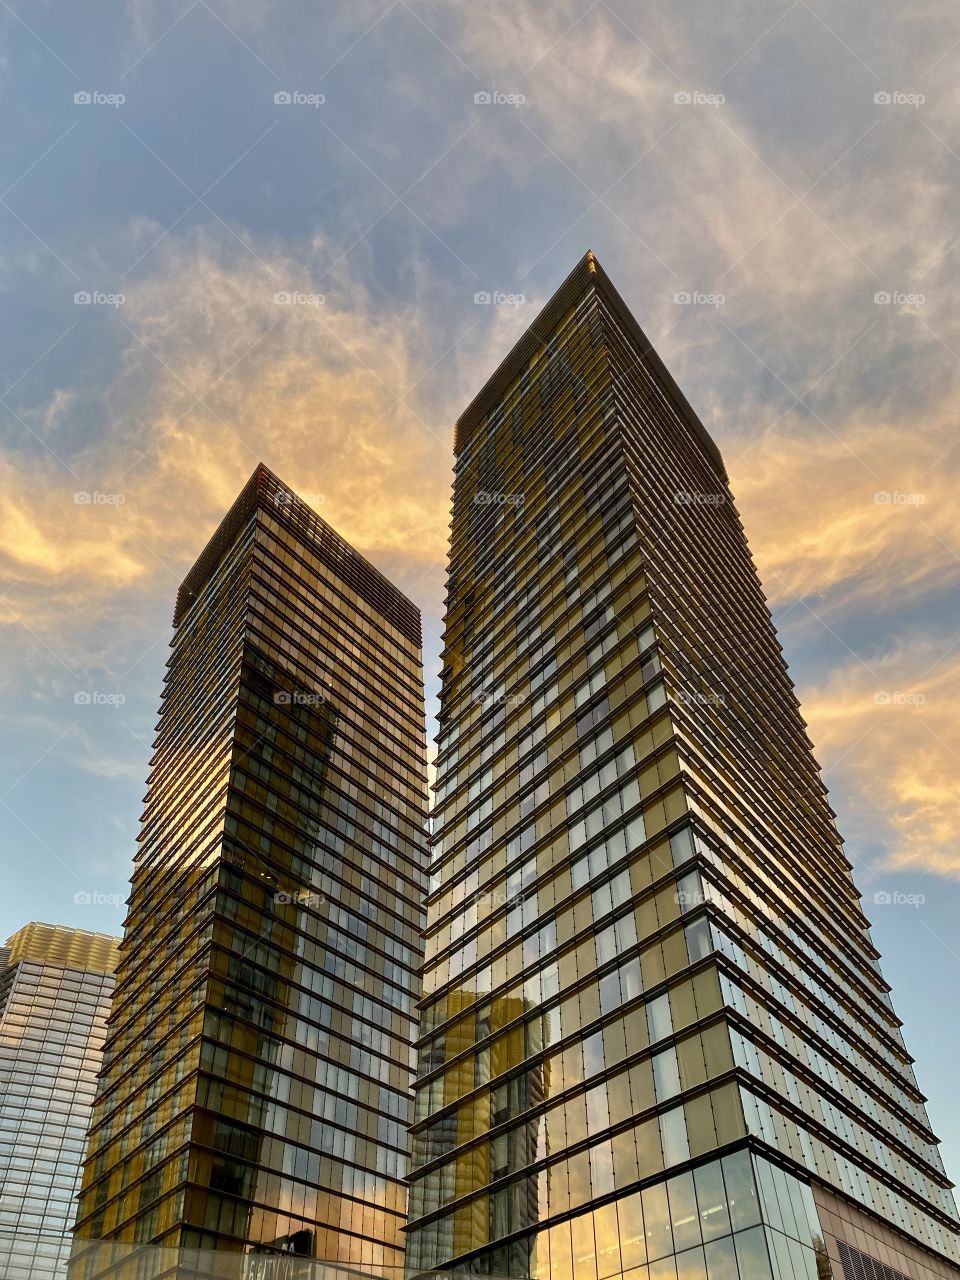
<point x="891" y="732"/>
<point x="216" y="375"/>
<point x="842" y="517"/>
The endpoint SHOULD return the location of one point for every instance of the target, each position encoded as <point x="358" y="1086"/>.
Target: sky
<point x="307" y="232"/>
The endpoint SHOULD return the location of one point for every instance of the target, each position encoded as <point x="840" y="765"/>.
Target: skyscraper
<point x="55" y="988"/>
<point x="256" y="1082"/>
<point x="656" y="1041"/>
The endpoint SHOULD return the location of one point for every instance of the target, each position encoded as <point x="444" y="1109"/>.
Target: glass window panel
<point x="701" y="1130"/>
<point x="608" y="1240"/>
<point x="635" y="1030"/>
<point x="689" y="891"/>
<point x="692" y="1265"/>
<point x="698" y="940"/>
<point x="631" y="980"/>
<point x="593" y="1060"/>
<point x="584" y="1248"/>
<point x="722" y="1260"/>
<point x="813" y="1234"/>
<point x="804" y="1260"/>
<point x="618" y="1097"/>
<point x="589" y="1003"/>
<point x="606" y="941"/>
<point x="684" y="1217"/>
<point x="626" y="930"/>
<point x="716" y="1049"/>
<point x="578" y="1170"/>
<point x="741" y="1191"/>
<point x="601" y="1168"/>
<point x="769" y="1198"/>
<point x="656" y="1220"/>
<point x="614" y="1043"/>
<point x="681" y="845"/>
<point x="675" y="954"/>
<point x="625" y="1166"/>
<point x="711" y="1201"/>
<point x="658" y="1018"/>
<point x="598" y="1111"/>
<point x="665" y="1269"/>
<point x="651" y="963"/>
<point x="751" y="1249"/>
<point x="789" y="1199"/>
<point x="632" y="1234"/>
<point x="649" y="1150"/>
<point x="673" y="1131"/>
<point x="666" y="1074"/>
<point x="610" y="995"/>
<point x="558" y="1192"/>
<point x="728" y="1113"/>
<point x="693" y="1069"/>
<point x="572" y="1065"/>
<point x="576" y="1113"/>
<point x="561" y="1255"/>
<point x="781" y="1256"/>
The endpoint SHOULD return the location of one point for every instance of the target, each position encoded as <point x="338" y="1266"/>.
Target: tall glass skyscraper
<point x="656" y="1041"/>
<point x="255" y="1095"/>
<point x="55" y="988"/>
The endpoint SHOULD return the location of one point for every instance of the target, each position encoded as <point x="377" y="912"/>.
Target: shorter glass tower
<point x="255" y="1092"/>
<point x="55" y="990"/>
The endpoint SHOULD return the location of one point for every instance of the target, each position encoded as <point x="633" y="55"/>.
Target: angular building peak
<point x="655" y="1038"/>
<point x="266" y="492"/>
<point x="586" y="280"/>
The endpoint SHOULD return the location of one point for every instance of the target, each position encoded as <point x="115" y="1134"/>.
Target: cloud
<point x="797" y="217"/>
<point x="890" y="732"/>
<point x="213" y="376"/>
<point x="840" y="517"/>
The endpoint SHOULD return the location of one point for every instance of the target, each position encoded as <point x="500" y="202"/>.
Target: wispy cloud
<point x="892" y="734"/>
<point x="841" y="518"/>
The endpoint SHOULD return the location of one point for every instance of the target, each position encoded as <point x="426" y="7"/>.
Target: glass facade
<point x="256" y="1086"/>
<point x="645" y="954"/>
<point x="55" y="989"/>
